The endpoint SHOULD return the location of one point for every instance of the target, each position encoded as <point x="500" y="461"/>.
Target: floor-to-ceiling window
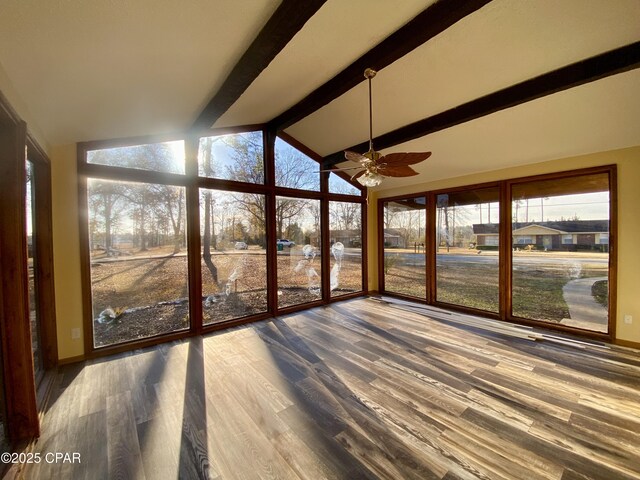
<point x="345" y="237"/>
<point x="234" y="260"/>
<point x="467" y="248"/>
<point x="404" y="232"/>
<point x="560" y="235"/>
<point x="195" y="233"/>
<point x="137" y="247"/>
<point x="534" y="250"/>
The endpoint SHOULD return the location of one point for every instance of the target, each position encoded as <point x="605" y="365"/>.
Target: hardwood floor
<point x="355" y="390"/>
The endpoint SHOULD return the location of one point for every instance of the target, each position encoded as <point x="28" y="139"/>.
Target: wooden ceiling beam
<point x="426" y="25"/>
<point x="616" y="61"/>
<point x="286" y="21"/>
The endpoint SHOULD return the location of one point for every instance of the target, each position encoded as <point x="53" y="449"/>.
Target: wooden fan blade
<point x="357" y="174"/>
<point x="353" y="156"/>
<point x="397" y="171"/>
<point x="404" y="158"/>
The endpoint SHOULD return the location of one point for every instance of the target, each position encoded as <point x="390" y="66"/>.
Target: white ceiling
<point x="99" y="69"/>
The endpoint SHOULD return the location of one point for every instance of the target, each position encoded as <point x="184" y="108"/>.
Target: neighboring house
<point x="349" y="238"/>
<point x="394" y="237"/>
<point x="570" y="235"/>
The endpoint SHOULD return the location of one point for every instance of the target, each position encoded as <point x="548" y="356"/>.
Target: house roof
<point x="477" y="82"/>
<point x="566" y="226"/>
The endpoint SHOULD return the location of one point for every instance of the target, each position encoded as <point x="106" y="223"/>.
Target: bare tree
<point x="207" y="164"/>
<point x="345" y="215"/>
<point x="291" y="170"/>
<point x="105" y="206"/>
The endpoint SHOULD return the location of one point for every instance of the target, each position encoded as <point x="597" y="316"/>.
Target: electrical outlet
<point x="628" y="319"/>
<point x="75" y="333"/>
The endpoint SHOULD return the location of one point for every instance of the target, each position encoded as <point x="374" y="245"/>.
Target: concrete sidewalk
<point x="584" y="311"/>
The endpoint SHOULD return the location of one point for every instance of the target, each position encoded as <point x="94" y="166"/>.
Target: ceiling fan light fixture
<point x="375" y="167"/>
<point x="370" y="179"/>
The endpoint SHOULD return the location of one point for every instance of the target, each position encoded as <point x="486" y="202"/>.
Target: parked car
<point x="241" y="246"/>
<point x="286" y="243"/>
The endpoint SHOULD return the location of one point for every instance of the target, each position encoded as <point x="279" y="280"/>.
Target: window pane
<point x="560" y="235"/>
<point x="294" y="169"/>
<point x="32" y="264"/>
<point x="467" y="258"/>
<point x="167" y="157"/>
<point x="234" y="260"/>
<point x="345" y="223"/>
<point x="298" y="246"/>
<point x="237" y="156"/>
<point x="139" y="276"/>
<point x="404" y="247"/>
<point x="340" y="185"/>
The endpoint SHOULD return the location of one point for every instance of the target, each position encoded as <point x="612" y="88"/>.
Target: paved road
<point x="418" y="259"/>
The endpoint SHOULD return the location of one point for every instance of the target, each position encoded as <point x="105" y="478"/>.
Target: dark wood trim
<point x="214" y="327"/>
<point x="296" y="193"/>
<point x="427" y="24"/>
<point x="616" y="61"/>
<point x="613" y="250"/>
<point x="611" y="171"/>
<point x="320" y="159"/>
<point x="283" y="25"/>
<point x="124" y="174"/>
<point x="505" y="259"/>
<point x="138" y="343"/>
<point x="467" y="310"/>
<point x="402" y="296"/>
<point x="579" y="332"/>
<point x="380" y="237"/>
<point x="506" y="251"/>
<point x="381" y="202"/>
<point x="272" y="253"/>
<point x="193" y="184"/>
<point x="325" y="260"/>
<point x="43" y="273"/>
<point x="17" y="357"/>
<point x="431" y="249"/>
<point x="365" y="247"/>
<point x="230" y="185"/>
<point x="339" y="197"/>
<point x="299" y="307"/>
<point x="192" y="145"/>
<point x="300" y="147"/>
<point x="85" y="254"/>
<point x="219" y="131"/>
<point x="347" y="296"/>
<point x="465" y="188"/>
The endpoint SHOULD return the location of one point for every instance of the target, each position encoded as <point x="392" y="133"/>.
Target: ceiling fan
<point x="374" y="166"/>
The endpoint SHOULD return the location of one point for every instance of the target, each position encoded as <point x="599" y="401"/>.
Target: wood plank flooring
<point x="354" y="390"/>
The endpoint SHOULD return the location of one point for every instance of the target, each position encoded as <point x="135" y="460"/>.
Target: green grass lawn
<point x="537" y="291"/>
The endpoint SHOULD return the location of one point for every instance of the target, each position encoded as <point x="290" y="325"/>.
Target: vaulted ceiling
<point x="483" y="84"/>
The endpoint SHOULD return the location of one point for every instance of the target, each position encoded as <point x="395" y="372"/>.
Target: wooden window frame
<point x="430" y="227"/>
<point x="433" y="195"/>
<point x="193" y="183"/>
<point x="505" y="250"/>
<point x="20" y="399"/>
